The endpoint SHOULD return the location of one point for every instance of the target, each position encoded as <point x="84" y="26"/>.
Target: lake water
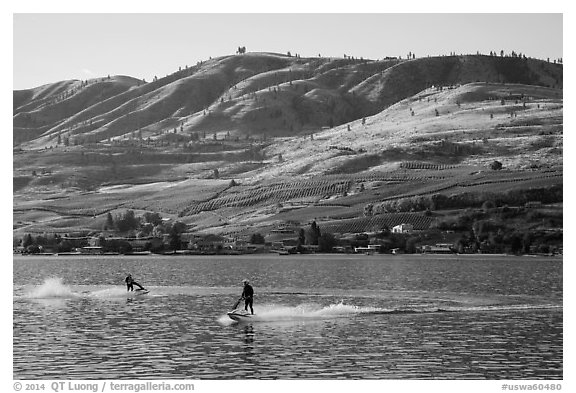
<point x="317" y="317"/>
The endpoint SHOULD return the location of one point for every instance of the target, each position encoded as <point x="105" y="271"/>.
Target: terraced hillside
<point x="242" y="144"/>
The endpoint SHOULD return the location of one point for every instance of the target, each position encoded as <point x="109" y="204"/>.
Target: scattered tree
<point x="496" y="165"/>
<point x="257" y="238"/>
<point x="326" y="242"/>
<point x="126" y="222"/>
<point x="109" y="222"/>
<point x="314" y="233"/>
<point x="153" y="218"/>
<point x="301" y="237"/>
<point x="27" y="241"/>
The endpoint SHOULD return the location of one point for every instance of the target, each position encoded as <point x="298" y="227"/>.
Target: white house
<point x="403" y="228"/>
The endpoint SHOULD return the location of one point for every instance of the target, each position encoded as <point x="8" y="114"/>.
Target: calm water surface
<point x="349" y="317"/>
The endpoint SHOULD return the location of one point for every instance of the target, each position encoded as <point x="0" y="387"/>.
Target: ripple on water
<point x="178" y="334"/>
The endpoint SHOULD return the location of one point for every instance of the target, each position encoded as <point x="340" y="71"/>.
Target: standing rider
<point x="130" y="283"/>
<point x="248" y="295"/>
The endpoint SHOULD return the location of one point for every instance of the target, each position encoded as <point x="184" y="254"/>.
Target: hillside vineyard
<point x="310" y="153"/>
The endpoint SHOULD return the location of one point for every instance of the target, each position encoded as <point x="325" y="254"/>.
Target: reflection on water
<point x="248" y="334"/>
<point x="367" y="326"/>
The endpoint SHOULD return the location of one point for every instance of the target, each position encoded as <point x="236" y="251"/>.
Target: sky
<point x="60" y="46"/>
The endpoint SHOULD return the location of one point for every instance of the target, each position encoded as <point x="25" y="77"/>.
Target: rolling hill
<point x="244" y="143"/>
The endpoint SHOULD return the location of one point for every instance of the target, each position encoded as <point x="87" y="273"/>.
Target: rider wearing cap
<point x="248" y="295"/>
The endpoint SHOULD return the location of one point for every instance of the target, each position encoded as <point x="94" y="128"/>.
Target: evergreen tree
<point x="326" y="242"/>
<point x="496" y="165"/>
<point x="27" y="241"/>
<point x="153" y="218"/>
<point x="126" y="222"/>
<point x="314" y="233"/>
<point x="301" y="236"/>
<point x="257" y="238"/>
<point x="175" y="239"/>
<point x="109" y="221"/>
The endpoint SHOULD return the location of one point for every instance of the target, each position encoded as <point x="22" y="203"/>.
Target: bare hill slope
<point x="256" y="94"/>
<point x="477" y="123"/>
<point x="243" y="143"/>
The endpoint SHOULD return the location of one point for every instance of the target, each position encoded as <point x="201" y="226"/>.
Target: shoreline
<point x="276" y="255"/>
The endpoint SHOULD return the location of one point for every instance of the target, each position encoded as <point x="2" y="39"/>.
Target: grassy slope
<point x="395" y="135"/>
<point x="253" y="93"/>
<point x="301" y="200"/>
<point x="463" y="137"/>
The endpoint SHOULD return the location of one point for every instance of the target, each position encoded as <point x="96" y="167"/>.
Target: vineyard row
<point x="376" y="223"/>
<point x="426" y="165"/>
<point x="274" y="194"/>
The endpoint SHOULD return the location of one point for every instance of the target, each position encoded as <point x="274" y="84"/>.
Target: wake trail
<point x="311" y="312"/>
<point x="54" y="288"/>
<point x="51" y="288"/>
<point x="304" y="312"/>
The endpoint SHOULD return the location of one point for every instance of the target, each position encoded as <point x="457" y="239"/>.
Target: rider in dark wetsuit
<point x="248" y="296"/>
<point x="130" y="283"/>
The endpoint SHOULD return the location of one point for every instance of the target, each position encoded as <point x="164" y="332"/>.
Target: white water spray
<point x="51" y="288"/>
<point x="302" y="312"/>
